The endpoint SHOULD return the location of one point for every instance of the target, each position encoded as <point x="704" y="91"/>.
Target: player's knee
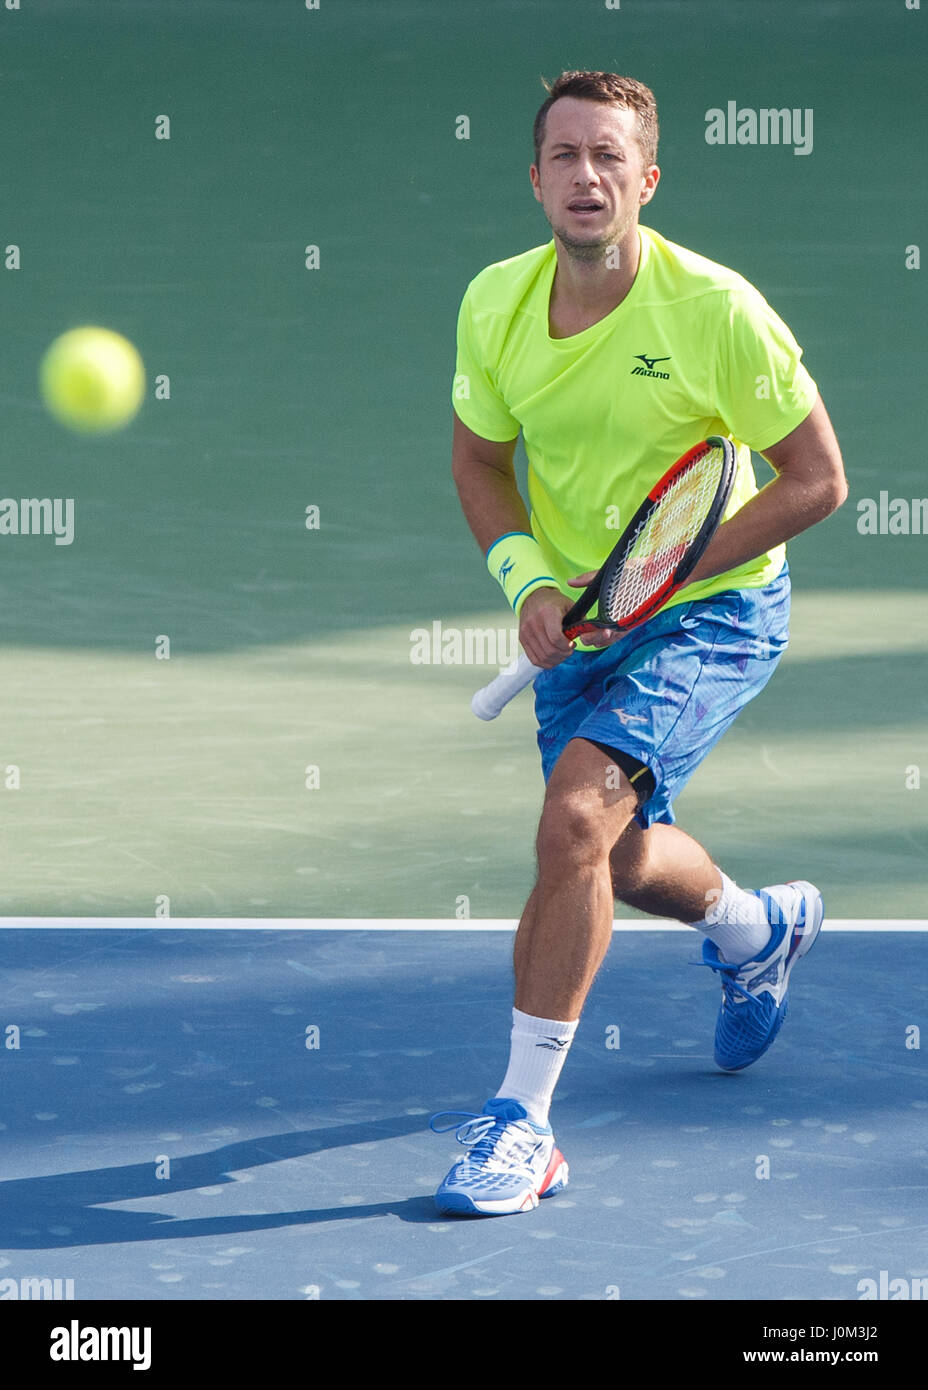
<point x="572" y="831"/>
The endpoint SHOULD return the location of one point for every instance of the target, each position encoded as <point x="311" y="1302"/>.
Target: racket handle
<point x="488" y="702"/>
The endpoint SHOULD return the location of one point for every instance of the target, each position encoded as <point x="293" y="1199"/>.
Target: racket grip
<point x="488" y="702"/>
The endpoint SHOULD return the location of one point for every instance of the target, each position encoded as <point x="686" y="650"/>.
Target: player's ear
<point x="536" y="181"/>
<point x="650" y="179"/>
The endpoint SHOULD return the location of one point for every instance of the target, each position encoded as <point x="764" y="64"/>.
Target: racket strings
<point x="664" y="537"/>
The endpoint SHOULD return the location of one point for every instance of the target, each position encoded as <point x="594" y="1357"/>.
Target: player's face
<point x="591" y="178"/>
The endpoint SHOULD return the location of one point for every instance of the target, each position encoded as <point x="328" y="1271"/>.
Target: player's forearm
<point x="490" y="500"/>
<point x="810" y="484"/>
<point x="781" y="510"/>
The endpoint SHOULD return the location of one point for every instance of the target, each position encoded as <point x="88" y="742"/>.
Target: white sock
<point x="539" y="1046"/>
<point x="737" y="923"/>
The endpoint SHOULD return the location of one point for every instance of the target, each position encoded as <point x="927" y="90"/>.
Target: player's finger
<point x="544" y="643"/>
<point x="546" y="653"/>
<point x="536" y="653"/>
<point x="603" y="638"/>
<point x="582" y="580"/>
<point x="554" y="631"/>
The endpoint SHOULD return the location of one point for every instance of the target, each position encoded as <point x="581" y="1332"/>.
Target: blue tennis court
<point x="298" y="1171"/>
<point x="261" y="865"/>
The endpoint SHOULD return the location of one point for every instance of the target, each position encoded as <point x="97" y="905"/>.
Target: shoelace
<point x="476" y="1133"/>
<point x="730" y="986"/>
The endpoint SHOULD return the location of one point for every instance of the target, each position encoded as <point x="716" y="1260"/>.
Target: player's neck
<point x="585" y="291"/>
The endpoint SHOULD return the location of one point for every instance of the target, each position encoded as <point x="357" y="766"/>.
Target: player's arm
<point x="485" y="478"/>
<point x="809" y="485"/>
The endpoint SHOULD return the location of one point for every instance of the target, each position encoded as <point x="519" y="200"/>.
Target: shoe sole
<point x="459" y="1204"/>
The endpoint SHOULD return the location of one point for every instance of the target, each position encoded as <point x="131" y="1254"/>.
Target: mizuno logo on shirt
<point x="648" y="368"/>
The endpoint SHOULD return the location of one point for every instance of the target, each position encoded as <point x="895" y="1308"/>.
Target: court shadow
<point x="62" y="1210"/>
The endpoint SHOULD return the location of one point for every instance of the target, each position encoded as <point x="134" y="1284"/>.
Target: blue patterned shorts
<point x="667" y="692"/>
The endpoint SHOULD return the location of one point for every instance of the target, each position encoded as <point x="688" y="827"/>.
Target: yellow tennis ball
<point x="92" y="380"/>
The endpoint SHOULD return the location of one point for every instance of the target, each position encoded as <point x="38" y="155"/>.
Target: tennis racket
<point x="654" y="557"/>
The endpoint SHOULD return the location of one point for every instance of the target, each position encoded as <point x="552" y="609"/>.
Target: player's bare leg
<point x="590" y="850"/>
<point x="665" y="872"/>
<point x="565" y="932"/>
<point x="567" y="926"/>
<point x="752" y="940"/>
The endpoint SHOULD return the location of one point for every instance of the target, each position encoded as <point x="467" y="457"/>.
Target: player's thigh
<point x="589" y="802"/>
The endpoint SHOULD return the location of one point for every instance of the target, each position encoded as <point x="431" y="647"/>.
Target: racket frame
<point x="576" y="622"/>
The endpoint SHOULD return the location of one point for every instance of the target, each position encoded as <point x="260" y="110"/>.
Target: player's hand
<point x="603" y="636"/>
<point x="540" y="631"/>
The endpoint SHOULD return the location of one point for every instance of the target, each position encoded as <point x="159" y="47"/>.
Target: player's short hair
<point x="612" y="90"/>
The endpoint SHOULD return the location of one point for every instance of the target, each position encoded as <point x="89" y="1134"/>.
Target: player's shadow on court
<point x="62" y="1210"/>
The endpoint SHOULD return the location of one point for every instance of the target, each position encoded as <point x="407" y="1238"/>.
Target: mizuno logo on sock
<point x="554" y="1044"/>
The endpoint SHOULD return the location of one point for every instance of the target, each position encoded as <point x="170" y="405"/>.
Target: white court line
<point x="426" y="924"/>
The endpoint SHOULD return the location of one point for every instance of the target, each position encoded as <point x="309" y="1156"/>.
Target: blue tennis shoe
<point x="755" y="995"/>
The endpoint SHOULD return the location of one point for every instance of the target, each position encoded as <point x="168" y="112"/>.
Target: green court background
<point x="292" y="387"/>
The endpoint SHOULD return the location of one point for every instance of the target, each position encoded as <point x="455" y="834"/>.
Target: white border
<point x="424" y="924"/>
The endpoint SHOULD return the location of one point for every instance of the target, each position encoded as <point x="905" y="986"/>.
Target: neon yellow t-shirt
<point x="692" y="350"/>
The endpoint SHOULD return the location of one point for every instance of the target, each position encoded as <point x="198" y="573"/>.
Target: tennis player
<point x="612" y="351"/>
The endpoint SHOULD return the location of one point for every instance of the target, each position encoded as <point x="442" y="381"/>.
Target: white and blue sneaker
<point x="755" y="995"/>
<point x="510" y="1166"/>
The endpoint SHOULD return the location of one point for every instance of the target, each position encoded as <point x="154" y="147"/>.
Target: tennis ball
<point x="92" y="380"/>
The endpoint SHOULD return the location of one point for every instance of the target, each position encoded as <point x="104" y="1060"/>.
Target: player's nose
<point x="585" y="171"/>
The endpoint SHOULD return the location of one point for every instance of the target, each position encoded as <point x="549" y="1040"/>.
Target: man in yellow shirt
<point x="612" y="351"/>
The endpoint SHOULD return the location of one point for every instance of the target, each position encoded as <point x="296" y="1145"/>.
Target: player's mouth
<point x="585" y="207"/>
